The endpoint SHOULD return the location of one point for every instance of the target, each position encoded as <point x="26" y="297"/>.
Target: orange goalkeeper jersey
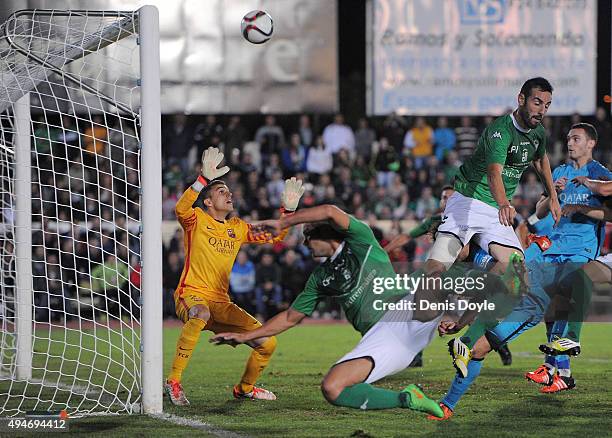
<point x="211" y="247"/>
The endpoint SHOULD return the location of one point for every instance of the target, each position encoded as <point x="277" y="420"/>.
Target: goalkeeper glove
<point x="211" y="158"/>
<point x="291" y="194"/>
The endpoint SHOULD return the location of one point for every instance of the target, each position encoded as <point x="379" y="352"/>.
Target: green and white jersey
<point x="348" y="277"/>
<point x="503" y="142"/>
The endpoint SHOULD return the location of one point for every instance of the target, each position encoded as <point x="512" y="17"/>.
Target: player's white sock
<point x="565" y="372"/>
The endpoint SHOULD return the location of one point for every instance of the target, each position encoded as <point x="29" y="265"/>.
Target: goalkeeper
<point x="202" y="302"/>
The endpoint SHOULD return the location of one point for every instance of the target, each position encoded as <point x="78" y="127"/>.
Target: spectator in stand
<point x="247" y="166"/>
<point x="394" y="129"/>
<point x="242" y="282"/>
<point x="235" y="134"/>
<point x="444" y="138"/>
<point x="419" y="141"/>
<point x="109" y="280"/>
<point x="427" y="204"/>
<point x="531" y="190"/>
<point x="344" y="186"/>
<point x="319" y="160"/>
<point x="305" y="131"/>
<point x="204" y="133"/>
<point x="274" y="166"/>
<point x="362" y="171"/>
<point x="452" y="165"/>
<point x="271" y="139"/>
<point x="177" y="140"/>
<point x="268" y="293"/>
<point x="467" y="138"/>
<point x="397" y="188"/>
<point x="294" y="156"/>
<point x="275" y="188"/>
<point x="602" y="152"/>
<point x="171" y="277"/>
<point x="364" y="138"/>
<point x="293" y="277"/>
<point x="387" y="163"/>
<point x="338" y="135"/>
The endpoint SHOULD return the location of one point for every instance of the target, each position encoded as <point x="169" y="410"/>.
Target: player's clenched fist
<point x="211" y="158"/>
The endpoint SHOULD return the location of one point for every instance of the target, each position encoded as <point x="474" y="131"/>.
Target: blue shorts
<point x="546" y="276"/>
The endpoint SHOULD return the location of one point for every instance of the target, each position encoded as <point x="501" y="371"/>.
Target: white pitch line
<point x="182" y="421"/>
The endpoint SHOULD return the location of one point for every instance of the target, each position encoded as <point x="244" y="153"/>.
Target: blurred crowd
<point x="386" y="171"/>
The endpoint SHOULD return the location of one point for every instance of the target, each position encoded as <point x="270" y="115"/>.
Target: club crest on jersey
<point x="230" y="233"/>
<point x="496" y="134"/>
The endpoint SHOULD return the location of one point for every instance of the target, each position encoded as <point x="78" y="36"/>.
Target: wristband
<point x="199" y="184"/>
<point x="533" y="219"/>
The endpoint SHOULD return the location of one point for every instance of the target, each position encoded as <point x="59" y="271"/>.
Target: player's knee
<point x="443" y="254"/>
<point x="331" y="389"/>
<point x="267" y="346"/>
<point x="199" y="312"/>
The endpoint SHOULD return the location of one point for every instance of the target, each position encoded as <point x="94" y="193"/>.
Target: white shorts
<point x="393" y="342"/>
<point x="606" y="260"/>
<point x="466" y="217"/>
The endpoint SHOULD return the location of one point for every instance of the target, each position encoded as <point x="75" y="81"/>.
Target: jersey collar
<point x="516" y="125"/>
<point x="337" y="252"/>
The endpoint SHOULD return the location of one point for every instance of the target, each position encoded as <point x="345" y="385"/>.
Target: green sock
<point x="582" y="290"/>
<point x="365" y="396"/>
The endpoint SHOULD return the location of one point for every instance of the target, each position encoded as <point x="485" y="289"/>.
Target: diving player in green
<point x="354" y="273"/>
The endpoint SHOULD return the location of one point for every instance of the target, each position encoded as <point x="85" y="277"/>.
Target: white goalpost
<point x="80" y="213"/>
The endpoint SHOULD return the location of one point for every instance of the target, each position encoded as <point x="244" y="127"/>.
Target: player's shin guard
<point x="184" y="347"/>
<point x="365" y="396"/>
<point x="258" y="360"/>
<point x="460" y="385"/>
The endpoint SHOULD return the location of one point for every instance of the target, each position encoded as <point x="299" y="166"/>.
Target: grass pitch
<point x="500" y="403"/>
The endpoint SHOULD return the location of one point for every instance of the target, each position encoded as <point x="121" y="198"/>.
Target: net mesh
<point x="81" y="72"/>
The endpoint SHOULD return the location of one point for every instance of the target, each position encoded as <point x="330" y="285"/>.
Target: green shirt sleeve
<point x="425" y="226"/>
<point x="497" y="140"/>
<point x="306" y="302"/>
<point x="360" y="232"/>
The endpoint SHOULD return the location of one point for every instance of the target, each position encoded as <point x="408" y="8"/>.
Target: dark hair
<point x="208" y="189"/>
<point x="588" y="129"/>
<point x="206" y="192"/>
<point x="447" y="187"/>
<point x="539" y="83"/>
<point x="322" y="231"/>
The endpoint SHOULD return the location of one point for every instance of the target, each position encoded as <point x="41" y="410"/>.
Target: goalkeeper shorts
<point x="224" y="316"/>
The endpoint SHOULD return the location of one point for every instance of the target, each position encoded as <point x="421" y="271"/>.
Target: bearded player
<point x="480" y="207"/>
<point x="202" y="301"/>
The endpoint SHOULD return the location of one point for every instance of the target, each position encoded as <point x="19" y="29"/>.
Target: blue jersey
<point x="578" y="235"/>
<point x="544" y="227"/>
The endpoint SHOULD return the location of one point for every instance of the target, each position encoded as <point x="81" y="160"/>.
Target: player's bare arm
<point x="597" y="213"/>
<point x="542" y="166"/>
<point x="320" y="213"/>
<point x="278" y="324"/>
<point x="496" y="185"/>
<point x="603" y="188"/>
<point x="397" y="242"/>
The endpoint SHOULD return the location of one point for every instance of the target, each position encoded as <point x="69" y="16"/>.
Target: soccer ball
<point x="257" y="27"/>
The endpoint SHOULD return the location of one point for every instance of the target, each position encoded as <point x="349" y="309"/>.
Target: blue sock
<point x="459" y="386"/>
<point x="563" y="362"/>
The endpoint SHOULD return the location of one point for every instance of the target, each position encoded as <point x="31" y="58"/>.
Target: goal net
<point x="77" y="150"/>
